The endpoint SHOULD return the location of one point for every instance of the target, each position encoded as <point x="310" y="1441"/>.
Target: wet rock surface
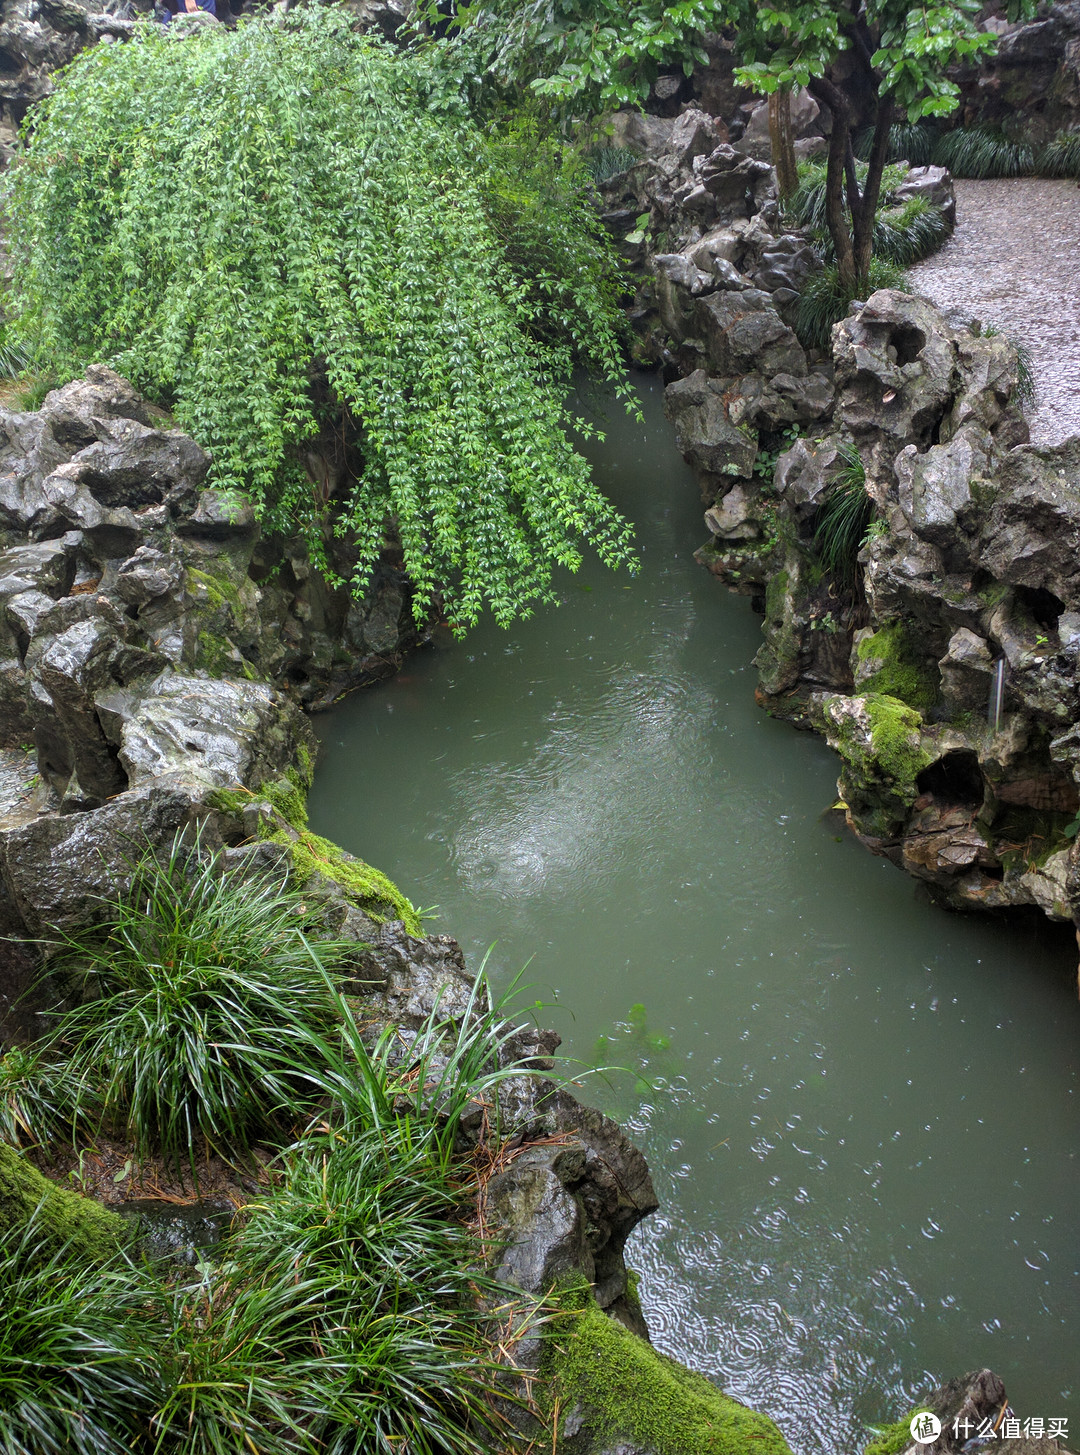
<point x="154" y="647"/>
<point x="969" y="533"/>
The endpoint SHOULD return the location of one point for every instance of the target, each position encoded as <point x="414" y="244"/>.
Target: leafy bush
<point x="202" y="995"/>
<point x="76" y="1377"/>
<point x="983" y="151"/>
<point x="270" y="229"/>
<point x="824" y="301"/>
<point x="843" y="518"/>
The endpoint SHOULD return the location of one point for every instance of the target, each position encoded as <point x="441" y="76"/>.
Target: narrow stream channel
<point x="863" y="1128"/>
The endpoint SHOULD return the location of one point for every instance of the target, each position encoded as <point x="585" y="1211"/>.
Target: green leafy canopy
<point x="271" y="230"/>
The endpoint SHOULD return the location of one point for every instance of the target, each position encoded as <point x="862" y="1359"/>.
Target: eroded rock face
<point x="153" y="646"/>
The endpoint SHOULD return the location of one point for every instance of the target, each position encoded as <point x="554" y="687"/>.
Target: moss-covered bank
<point x="603" y="1383"/>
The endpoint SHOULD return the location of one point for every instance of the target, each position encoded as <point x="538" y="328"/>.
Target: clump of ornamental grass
<point x="1061" y="156"/>
<point x="843" y="518"/>
<point x="202" y="998"/>
<point x="77" y="1374"/>
<point x="351" y="1312"/>
<point x="983" y="151"/>
<point x="824" y="300"/>
<point x="906" y="234"/>
<point x="604" y="163"/>
<point x="912" y="142"/>
<point x="42" y="1099"/>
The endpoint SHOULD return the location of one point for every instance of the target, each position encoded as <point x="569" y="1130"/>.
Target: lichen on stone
<point x="626" y="1390"/>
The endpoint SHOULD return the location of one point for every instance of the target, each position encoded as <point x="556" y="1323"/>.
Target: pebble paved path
<point x="1014" y="261"/>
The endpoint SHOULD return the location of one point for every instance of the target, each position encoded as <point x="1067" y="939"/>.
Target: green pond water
<point x="863" y="1126"/>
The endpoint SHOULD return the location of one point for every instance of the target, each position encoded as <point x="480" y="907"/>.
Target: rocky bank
<point x="965" y="578"/>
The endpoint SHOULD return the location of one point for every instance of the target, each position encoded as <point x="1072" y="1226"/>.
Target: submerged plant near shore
<point x="272" y="230"/>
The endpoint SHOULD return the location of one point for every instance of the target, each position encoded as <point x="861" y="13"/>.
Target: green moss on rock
<point x="901" y="673"/>
<point x="892" y="1439"/>
<point x="215" y="591"/>
<point x="377" y="895"/>
<point x="630" y="1391"/>
<point x="62" y="1217"/>
<point x="287" y="796"/>
<point x="895" y="737"/>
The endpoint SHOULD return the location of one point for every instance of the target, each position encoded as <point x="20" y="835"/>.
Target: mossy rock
<point x="893" y="1439"/>
<point x="376" y="895"/>
<point x="879" y="739"/>
<point x="63" y="1218"/>
<point x="627" y="1391"/>
<point x="888" y="664"/>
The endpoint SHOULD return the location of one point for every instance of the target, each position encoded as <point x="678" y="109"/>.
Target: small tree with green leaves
<point x="288" y="232"/>
<point x="888" y="56"/>
<point x="889" y="53"/>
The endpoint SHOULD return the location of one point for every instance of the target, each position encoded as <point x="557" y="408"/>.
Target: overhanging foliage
<point x="270" y="230"/>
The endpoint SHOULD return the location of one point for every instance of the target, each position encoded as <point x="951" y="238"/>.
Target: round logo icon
<point x="925" y="1428"/>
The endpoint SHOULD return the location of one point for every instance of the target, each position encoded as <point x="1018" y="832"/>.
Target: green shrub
<point x="824" y="301"/>
<point x="202" y="993"/>
<point x="270" y="229"/>
<point x="983" y="151"/>
<point x="76" y="1376"/>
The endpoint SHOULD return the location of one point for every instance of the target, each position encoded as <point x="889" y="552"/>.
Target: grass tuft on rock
<point x="200" y="995"/>
<point x="843" y="518"/>
<point x="825" y="301"/>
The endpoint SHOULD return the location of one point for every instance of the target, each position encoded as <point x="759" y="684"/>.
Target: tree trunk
<point x="863" y="215"/>
<point x="783" y="142"/>
<point x="831" y="96"/>
<point x="62" y="1217"/>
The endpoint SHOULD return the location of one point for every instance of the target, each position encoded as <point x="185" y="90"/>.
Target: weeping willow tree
<point x="287" y="231"/>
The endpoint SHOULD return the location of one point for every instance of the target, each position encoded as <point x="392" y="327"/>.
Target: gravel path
<point x="1014" y="261"/>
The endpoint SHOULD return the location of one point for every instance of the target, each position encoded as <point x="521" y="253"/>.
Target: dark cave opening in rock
<point x="1043" y="606"/>
<point x="953" y="778"/>
<point x="909" y="342"/>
